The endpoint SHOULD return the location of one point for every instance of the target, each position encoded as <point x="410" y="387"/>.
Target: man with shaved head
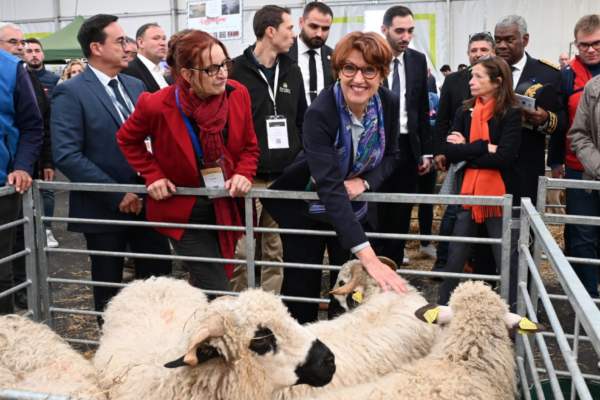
<point x="563" y="60"/>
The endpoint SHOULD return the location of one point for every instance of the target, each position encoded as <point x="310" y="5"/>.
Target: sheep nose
<point x="329" y="360"/>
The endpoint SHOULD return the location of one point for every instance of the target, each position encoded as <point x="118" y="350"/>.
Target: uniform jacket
<point x="318" y="160"/>
<point x="138" y="70"/>
<point x="326" y="53"/>
<point x="158" y="116"/>
<point x="84" y="144"/>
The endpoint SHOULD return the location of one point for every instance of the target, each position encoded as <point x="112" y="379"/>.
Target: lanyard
<point x="199" y="153"/>
<point x="272" y="92"/>
<point x="125" y="112"/>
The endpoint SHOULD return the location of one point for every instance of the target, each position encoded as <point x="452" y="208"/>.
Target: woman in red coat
<point x="202" y="135"/>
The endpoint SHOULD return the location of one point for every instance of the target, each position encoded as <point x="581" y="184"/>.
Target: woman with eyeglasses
<point x="201" y="135"/>
<point x="350" y="146"/>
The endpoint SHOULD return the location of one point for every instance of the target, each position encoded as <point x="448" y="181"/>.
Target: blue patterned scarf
<point x="371" y="147"/>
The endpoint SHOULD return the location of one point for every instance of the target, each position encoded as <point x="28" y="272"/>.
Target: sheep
<point x="374" y="339"/>
<point x="234" y="348"/>
<point x="34" y="358"/>
<point x="474" y="358"/>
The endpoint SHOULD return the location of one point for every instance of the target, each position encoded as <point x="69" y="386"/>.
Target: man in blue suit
<point x="87" y="112"/>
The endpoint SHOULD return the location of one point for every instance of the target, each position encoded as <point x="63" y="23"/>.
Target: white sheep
<point x="473" y="360"/>
<point x="376" y="338"/>
<point x="235" y="348"/>
<point x="33" y="358"/>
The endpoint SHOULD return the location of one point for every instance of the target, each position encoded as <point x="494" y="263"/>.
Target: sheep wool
<point x="474" y="358"/>
<point x="34" y="358"/>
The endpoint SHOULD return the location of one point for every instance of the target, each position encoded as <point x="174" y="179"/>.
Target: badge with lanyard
<point x="277" y="133"/>
<point x="213" y="173"/>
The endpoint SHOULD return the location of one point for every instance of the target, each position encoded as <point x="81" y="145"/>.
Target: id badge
<point x="277" y="132"/>
<point x="148" y="142"/>
<point x="213" y="178"/>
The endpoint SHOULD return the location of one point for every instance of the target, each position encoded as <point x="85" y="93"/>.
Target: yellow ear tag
<point x="431" y="315"/>
<point x="526" y="326"/>
<point x="357" y="297"/>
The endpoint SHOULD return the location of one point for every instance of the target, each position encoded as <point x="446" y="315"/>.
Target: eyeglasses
<point x="368" y="72"/>
<point x="15" y="42"/>
<point x="122" y="42"/>
<point x="482" y="34"/>
<point x="586" y="46"/>
<point x="215" y="68"/>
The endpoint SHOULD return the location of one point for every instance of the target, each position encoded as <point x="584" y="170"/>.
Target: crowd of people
<point x="291" y="113"/>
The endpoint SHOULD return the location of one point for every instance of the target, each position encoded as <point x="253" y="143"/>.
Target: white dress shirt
<point x="156" y="70"/>
<point x="516" y="74"/>
<point x="303" y="59"/>
<point x="402" y="76"/>
<point x="104" y="79"/>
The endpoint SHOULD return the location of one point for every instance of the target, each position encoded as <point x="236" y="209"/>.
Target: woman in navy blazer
<point x="340" y="164"/>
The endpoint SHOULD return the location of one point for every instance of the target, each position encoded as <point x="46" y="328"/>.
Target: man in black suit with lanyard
<point x="511" y="38"/>
<point x="311" y="52"/>
<point x="408" y="79"/>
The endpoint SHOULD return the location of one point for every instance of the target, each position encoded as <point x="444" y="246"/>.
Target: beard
<point x="395" y="45"/>
<point x="312" y="43"/>
<point x="37" y="65"/>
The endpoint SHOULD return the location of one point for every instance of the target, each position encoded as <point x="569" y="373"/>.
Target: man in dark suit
<point x="87" y="112"/>
<point x="408" y="79"/>
<point x="311" y="52"/>
<point x="511" y="38"/>
<point x="152" y="45"/>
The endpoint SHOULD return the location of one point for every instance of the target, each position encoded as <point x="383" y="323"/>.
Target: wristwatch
<point x="367" y="186"/>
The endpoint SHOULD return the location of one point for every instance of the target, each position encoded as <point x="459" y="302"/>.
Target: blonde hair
<point x="67" y="71"/>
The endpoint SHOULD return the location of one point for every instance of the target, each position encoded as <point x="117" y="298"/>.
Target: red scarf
<point x="482" y="182"/>
<point x="211" y="116"/>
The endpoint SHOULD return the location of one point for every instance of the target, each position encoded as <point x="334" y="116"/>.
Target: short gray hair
<point x="8" y="25"/>
<point x="509" y="20"/>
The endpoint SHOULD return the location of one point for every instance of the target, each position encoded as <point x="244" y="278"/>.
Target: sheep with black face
<point x="162" y="340"/>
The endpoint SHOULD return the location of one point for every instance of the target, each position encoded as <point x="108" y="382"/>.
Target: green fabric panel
<point x="63" y="44"/>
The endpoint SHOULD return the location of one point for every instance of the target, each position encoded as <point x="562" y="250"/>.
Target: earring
<point x="381" y="83"/>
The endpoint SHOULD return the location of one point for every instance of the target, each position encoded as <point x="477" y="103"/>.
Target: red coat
<point x="157" y="115"/>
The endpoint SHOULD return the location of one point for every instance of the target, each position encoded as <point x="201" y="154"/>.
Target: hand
<point x="161" y="189"/>
<point x="535" y="117"/>
<point x="238" y="186"/>
<point x="48" y="174"/>
<point x="492" y="148"/>
<point x="381" y="272"/>
<point x="354" y="187"/>
<point x="439" y="162"/>
<point x="456" y="138"/>
<point x="20" y="179"/>
<point x="131" y="204"/>
<point x="425" y="166"/>
<point x="559" y="172"/>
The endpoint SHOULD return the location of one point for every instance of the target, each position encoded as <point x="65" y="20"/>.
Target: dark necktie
<point x="396" y="77"/>
<point x="312" y="72"/>
<point x="513" y="68"/>
<point x="114" y="84"/>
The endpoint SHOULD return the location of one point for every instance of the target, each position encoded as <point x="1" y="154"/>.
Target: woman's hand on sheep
<point x="354" y="187"/>
<point x="161" y="189"/>
<point x="386" y="278"/>
<point x="456" y="138"/>
<point x="238" y="186"/>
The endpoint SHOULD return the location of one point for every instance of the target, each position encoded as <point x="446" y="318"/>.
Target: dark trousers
<point x="110" y="269"/>
<point x="307" y="282"/>
<point x="426" y="185"/>
<point x="200" y="243"/>
<point x="458" y="253"/>
<point x="395" y="217"/>
<point x="10" y="207"/>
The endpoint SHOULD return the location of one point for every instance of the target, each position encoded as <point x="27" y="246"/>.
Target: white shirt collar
<point x="102" y="77"/>
<point x="149" y="64"/>
<point x="400" y="58"/>
<point x="303" y="48"/>
<point x="521" y="64"/>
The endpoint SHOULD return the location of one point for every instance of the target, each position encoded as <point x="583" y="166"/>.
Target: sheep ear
<point x="524" y="325"/>
<point x="435" y="314"/>
<point x="202" y="354"/>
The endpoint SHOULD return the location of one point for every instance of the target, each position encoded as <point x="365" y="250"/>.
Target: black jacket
<point x="326" y="53"/>
<point x="318" y="160"/>
<point x="45" y="160"/>
<point x="454" y="92"/>
<point x="417" y="103"/>
<point x="137" y="69"/>
<point x="291" y="102"/>
<point x="505" y="132"/>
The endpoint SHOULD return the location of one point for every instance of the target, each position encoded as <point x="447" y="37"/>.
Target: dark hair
<point x="92" y="31"/>
<point x="393" y="12"/>
<point x="374" y="48"/>
<point x="186" y="48"/>
<point x="34" y="41"/>
<point x="266" y="17"/>
<point x="497" y="68"/>
<point x="445" y="68"/>
<point x="142" y="30"/>
<point x="319" y="6"/>
<point x="132" y="41"/>
<point x="462" y="66"/>
<point x="478" y="37"/>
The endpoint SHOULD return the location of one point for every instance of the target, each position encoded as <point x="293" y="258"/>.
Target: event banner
<point x="221" y="18"/>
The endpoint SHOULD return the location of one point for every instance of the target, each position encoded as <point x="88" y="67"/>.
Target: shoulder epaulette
<point x="549" y="63"/>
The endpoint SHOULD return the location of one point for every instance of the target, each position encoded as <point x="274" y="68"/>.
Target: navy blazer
<point x="84" y="129"/>
<point x="417" y="103"/>
<point x="321" y="125"/>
